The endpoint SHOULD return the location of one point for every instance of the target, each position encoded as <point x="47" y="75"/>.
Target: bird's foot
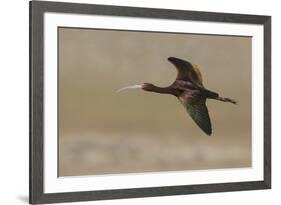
<point x="226" y="100"/>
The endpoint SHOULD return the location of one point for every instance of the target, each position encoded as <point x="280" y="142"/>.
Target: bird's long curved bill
<point x="129" y="87"/>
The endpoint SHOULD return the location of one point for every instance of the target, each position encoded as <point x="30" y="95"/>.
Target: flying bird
<point x="189" y="89"/>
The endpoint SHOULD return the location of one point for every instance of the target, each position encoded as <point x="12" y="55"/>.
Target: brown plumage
<point x="188" y="88"/>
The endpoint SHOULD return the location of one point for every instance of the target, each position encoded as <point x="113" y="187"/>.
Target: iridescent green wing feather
<point x="197" y="109"/>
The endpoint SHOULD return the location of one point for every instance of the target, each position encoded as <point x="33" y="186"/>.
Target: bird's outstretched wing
<point x="197" y="109"/>
<point x="187" y="71"/>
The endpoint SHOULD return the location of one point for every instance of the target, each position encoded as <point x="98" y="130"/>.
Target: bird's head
<point x="147" y="87"/>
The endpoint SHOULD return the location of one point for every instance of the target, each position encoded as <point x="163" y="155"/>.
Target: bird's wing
<point x="197" y="109"/>
<point x="187" y="71"/>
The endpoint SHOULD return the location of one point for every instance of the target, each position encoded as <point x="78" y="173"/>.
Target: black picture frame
<point x="37" y="10"/>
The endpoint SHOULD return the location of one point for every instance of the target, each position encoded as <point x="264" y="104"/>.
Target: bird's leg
<point x="225" y="99"/>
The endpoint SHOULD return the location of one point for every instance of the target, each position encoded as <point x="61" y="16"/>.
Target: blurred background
<point x="104" y="132"/>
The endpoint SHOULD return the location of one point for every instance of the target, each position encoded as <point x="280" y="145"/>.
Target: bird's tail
<point x="211" y="94"/>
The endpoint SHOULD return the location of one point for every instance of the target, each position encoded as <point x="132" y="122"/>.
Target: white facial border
<point x="53" y="184"/>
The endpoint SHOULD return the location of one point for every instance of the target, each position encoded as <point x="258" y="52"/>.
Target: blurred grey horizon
<point x="104" y="132"/>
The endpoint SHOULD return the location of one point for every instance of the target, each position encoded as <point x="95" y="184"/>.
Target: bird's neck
<point x="162" y="90"/>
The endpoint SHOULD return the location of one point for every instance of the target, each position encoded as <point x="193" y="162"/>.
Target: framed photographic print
<point x="139" y="102"/>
